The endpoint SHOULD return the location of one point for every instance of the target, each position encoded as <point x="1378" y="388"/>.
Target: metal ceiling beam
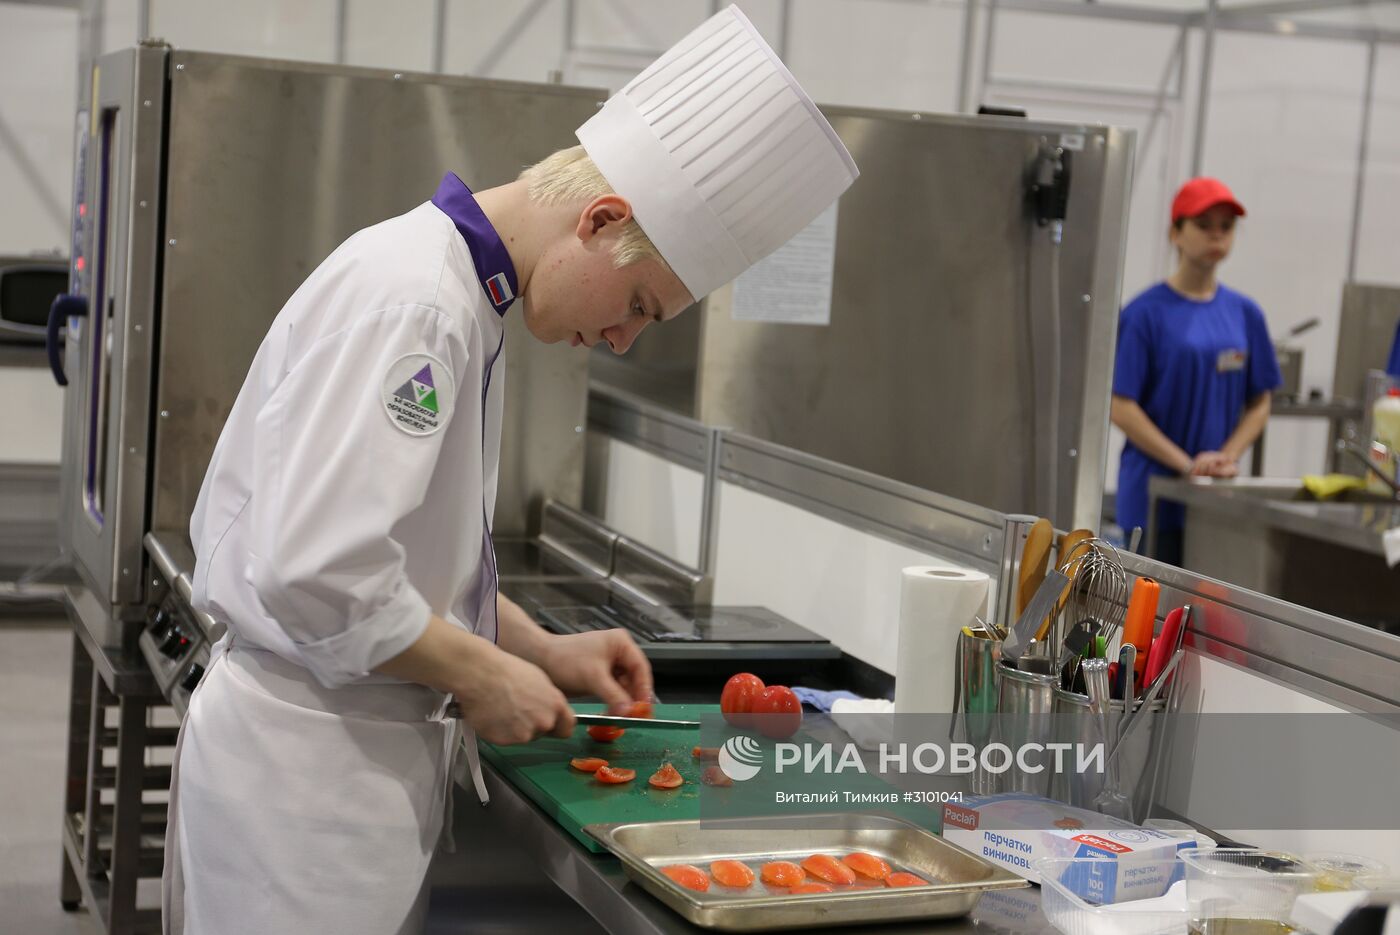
<point x="1288" y="7"/>
<point x="1226" y="20"/>
<point x="1110" y="11"/>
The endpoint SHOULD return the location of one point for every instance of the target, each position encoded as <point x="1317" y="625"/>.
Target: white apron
<point x="324" y="806"/>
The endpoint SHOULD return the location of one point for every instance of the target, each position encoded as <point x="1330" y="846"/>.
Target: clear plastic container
<point x="1380" y="883"/>
<point x="1341" y="871"/>
<point x="1182" y="831"/>
<point x="1244" y="891"/>
<point x="1112" y="896"/>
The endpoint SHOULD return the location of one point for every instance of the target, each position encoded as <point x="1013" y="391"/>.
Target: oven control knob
<point x="159" y="621"/>
<point x="173" y="643"/>
<point x="192" y="677"/>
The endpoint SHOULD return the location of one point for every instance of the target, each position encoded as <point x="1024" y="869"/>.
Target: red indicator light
<point x="82" y="210"/>
<point x="80" y="264"/>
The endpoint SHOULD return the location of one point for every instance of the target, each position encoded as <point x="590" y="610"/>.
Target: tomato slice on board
<point x="705" y="753"/>
<point x="782" y="873"/>
<point x="714" y="776"/>
<point x="867" y="865"/>
<point x="614" y="774"/>
<point x="828" y="868"/>
<point x="641" y="709"/>
<point x="810" y="888"/>
<point x="738" y="696"/>
<point x="776" y="712"/>
<point x="588" y="764"/>
<point x="667" y="777"/>
<point x="605" y="733"/>
<point x="732" y="873"/>
<point x="905" y="879"/>
<point x="689" y="876"/>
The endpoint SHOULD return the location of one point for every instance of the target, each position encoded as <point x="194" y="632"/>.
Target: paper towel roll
<point x="935" y="602"/>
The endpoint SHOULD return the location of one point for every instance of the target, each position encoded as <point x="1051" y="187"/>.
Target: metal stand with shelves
<point x="114" y="807"/>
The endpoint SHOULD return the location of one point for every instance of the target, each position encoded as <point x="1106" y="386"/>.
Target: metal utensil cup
<point x="976" y="695"/>
<point x="1074" y="724"/>
<point x="1025" y="701"/>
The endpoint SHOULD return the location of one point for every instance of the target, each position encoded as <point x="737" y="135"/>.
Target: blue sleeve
<point x="1393" y="368"/>
<point x="1264" y="375"/>
<point x="1132" y="366"/>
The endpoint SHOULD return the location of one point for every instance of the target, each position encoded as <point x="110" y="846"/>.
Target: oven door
<point x="107" y="358"/>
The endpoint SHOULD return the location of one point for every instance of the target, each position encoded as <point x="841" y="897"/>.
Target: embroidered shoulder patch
<point x="418" y="394"/>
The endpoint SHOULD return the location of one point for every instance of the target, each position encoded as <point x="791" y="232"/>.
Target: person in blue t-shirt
<point x="1195" y="371"/>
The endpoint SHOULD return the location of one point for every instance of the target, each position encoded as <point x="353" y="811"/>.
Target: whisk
<point x="1097" y="593"/>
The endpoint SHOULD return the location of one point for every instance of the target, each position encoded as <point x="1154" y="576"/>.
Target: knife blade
<point x="607" y="720"/>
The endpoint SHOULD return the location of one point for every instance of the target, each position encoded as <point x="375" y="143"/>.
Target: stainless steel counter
<point x="1262" y="534"/>
<point x="1356" y="523"/>
<point x="512" y="823"/>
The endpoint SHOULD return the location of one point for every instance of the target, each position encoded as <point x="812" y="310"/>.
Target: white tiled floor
<point x="34" y="672"/>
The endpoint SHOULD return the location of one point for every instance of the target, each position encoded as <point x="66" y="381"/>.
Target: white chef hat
<point x="721" y="153"/>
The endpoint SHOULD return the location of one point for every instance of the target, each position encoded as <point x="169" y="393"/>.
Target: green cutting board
<point x="541" y="770"/>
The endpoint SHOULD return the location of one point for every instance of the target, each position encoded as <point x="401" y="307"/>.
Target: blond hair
<point x="570" y="175"/>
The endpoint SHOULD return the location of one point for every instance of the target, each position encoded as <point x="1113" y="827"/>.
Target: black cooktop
<point x="674" y="632"/>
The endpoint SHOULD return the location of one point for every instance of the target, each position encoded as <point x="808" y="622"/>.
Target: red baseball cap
<point x="1201" y="194"/>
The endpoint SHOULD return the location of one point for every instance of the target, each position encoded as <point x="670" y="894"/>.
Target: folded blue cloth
<point x="820" y="700"/>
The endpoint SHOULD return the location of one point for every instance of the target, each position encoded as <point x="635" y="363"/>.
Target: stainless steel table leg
<point x="92" y="806"/>
<point x="126" y="819"/>
<point x="70" y="893"/>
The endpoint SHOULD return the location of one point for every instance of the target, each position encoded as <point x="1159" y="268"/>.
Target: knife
<point x="639" y="722"/>
<point x="588" y="720"/>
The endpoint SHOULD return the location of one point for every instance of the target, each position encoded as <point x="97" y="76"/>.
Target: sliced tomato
<point x="640" y="709"/>
<point x="714" y="776"/>
<point x="588" y="764"/>
<point x="732" y="873"/>
<point x="689" y="876"/>
<point x="614" y="774"/>
<point x="705" y="753"/>
<point x="905" y="879"/>
<point x="810" y="888"/>
<point x="667" y="777"/>
<point x="738" y="696"/>
<point x="781" y="873"/>
<point x="605" y="733"/>
<point x="776" y="712"/>
<point x="828" y="868"/>
<point x="867" y="865"/>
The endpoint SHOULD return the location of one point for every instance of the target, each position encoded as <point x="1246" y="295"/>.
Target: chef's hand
<point x="513" y="701"/>
<point x="606" y="663"/>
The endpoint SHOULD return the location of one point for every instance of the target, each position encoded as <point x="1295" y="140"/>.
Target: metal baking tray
<point x="958" y="877"/>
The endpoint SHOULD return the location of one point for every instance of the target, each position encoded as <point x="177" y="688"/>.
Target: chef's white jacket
<point x="351" y="491"/>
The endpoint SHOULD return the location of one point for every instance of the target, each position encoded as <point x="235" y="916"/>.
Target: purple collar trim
<point x="493" y="264"/>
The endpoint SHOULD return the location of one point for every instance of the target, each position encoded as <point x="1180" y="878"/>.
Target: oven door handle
<point x="64" y="307"/>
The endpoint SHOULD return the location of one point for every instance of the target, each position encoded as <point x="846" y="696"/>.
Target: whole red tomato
<point x="776" y="712"/>
<point x="737" y="699"/>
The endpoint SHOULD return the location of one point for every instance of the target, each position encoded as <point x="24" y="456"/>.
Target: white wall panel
<point x="304" y="30"/>
<point x="1220" y="687"/>
<point x="1378" y="259"/>
<point x="390" y="35"/>
<point x="839" y="582"/>
<point x="654" y="501"/>
<point x="38" y="103"/>
<point x="31" y="420"/>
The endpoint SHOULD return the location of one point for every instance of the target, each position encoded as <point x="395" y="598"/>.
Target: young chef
<point x="343" y="530"/>
<point x="1195" y="371"/>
